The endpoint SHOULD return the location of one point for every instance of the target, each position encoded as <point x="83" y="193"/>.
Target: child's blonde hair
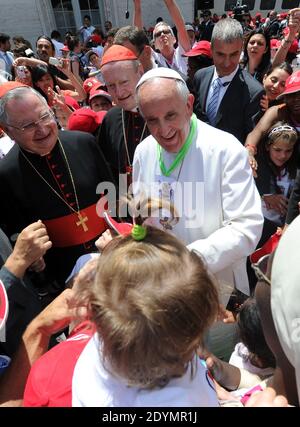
<point x="152" y="301"/>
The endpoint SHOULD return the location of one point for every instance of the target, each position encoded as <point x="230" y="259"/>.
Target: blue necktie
<point x="212" y="107"/>
<point x="8" y="60"/>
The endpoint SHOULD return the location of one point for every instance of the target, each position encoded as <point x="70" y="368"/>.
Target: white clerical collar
<point x="225" y="79"/>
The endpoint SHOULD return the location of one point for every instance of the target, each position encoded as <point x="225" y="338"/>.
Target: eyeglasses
<point x="159" y="33"/>
<point x="30" y="127"/>
<point x="260" y="269"/>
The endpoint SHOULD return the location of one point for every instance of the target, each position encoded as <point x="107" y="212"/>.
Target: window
<point x="64" y="16"/>
<point x="290" y="4"/>
<point x="267" y="4"/>
<point x="249" y="3"/>
<point x="91" y="8"/>
<point x="205" y="4"/>
<point x="231" y="4"/>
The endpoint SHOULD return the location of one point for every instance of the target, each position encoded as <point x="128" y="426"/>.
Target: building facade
<point x="32" y="18"/>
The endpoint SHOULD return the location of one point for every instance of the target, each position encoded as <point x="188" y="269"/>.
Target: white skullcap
<point x="166" y="73"/>
<point x="285" y="295"/>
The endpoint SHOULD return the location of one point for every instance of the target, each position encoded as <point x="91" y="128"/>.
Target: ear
<point x="264" y="78"/>
<point x="147" y="52"/>
<point x="140" y="70"/>
<point x="190" y="103"/>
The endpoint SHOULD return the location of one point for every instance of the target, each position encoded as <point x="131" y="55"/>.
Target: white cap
<point x="189" y="27"/>
<point x="166" y="73"/>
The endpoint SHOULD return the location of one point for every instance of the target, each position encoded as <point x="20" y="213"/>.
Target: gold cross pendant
<point x="82" y="221"/>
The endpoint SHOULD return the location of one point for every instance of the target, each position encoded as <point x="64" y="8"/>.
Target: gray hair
<point x="227" y="30"/>
<point x="181" y="87"/>
<point x="16" y="94"/>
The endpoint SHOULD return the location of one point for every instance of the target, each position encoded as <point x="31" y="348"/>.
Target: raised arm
<point x="137" y="14"/>
<point x="260" y="130"/>
<point x="174" y="11"/>
<point x="293" y="25"/>
<point x="55" y="317"/>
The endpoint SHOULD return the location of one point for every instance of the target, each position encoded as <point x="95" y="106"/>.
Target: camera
<point x="21" y="71"/>
<point x="54" y="61"/>
<point x="239" y="11"/>
<point x="29" y="53"/>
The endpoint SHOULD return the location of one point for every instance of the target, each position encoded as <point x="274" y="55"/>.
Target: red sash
<point x="70" y="231"/>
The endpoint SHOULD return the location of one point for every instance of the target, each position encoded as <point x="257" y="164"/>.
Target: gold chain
<point x="125" y="138"/>
<point x="50" y="186"/>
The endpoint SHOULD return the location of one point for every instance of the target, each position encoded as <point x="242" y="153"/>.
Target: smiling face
<point x="121" y="78"/>
<point x="28" y="109"/>
<point x="274" y="83"/>
<point x="280" y="152"/>
<point x="45" y="82"/>
<point x="226" y="56"/>
<point x="166" y="112"/>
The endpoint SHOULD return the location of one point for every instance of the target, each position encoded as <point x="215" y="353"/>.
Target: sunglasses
<point x="260" y="269"/>
<point x="159" y="33"/>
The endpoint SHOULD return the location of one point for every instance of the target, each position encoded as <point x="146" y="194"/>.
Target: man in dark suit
<point x="206" y="27"/>
<point x="228" y="97"/>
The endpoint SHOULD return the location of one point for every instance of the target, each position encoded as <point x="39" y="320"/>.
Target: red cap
<point x="121" y="228"/>
<point x="96" y="39"/>
<point x="91" y="83"/>
<point x="200" y="48"/>
<point x="7" y="86"/>
<point x="71" y="102"/>
<point x="65" y="49"/>
<point x="286" y="31"/>
<point x="292" y="84"/>
<point x="274" y="43"/>
<point x="85" y="120"/>
<point x="3" y="305"/>
<point x="117" y="53"/>
<point x="98" y="92"/>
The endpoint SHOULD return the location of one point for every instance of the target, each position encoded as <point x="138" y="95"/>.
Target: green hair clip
<point x="138" y="232"/>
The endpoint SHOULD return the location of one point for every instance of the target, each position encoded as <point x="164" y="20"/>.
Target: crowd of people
<point x="142" y="175"/>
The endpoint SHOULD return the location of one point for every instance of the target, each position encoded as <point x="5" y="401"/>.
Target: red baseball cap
<point x="292" y="85"/>
<point x="200" y="48"/>
<point x="275" y="43"/>
<point x="71" y="102"/>
<point x="117" y="53"/>
<point x="121" y="228"/>
<point x="65" y="49"/>
<point x="7" y="86"/>
<point x="85" y="120"/>
<point x="98" y="92"/>
<point x="96" y="39"/>
<point x="3" y="305"/>
<point x="91" y="83"/>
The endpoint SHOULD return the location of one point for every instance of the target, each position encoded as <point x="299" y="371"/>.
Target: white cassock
<point x="215" y="195"/>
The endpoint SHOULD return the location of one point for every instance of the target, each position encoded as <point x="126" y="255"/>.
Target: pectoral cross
<point x="82" y="221"/>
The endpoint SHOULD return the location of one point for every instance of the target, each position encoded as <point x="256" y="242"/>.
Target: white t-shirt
<point x="94" y="386"/>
